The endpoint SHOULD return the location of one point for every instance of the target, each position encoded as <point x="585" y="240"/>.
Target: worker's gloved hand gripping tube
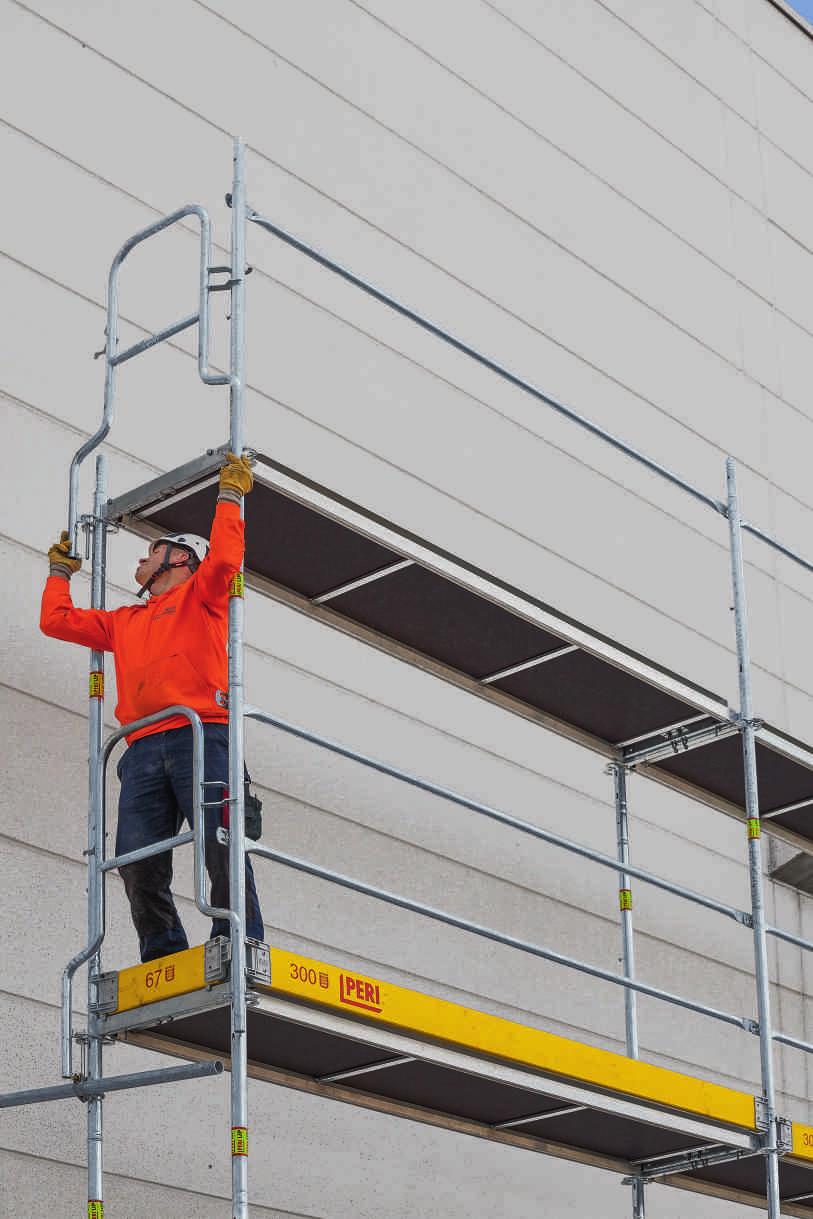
<point x="62" y="562"/>
<point x="236" y="478"/>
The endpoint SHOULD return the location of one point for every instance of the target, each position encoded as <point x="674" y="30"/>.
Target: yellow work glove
<point x="61" y="561"/>
<point x="236" y="478"/>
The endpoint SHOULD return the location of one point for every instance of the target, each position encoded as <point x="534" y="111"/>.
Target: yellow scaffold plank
<point x="178" y="974"/>
<point x="802" y="1148"/>
<point x="437" y="1019"/>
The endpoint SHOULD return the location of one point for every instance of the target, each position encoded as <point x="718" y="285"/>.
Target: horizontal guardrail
<point x="485" y="810"/>
<point x="498" y="937"/>
<point x="567" y="412"/>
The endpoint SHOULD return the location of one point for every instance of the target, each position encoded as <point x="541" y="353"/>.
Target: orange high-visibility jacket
<point x="173" y="649"/>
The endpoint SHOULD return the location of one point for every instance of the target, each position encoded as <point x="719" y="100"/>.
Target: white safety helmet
<point x="195" y="546"/>
<point x="193" y="542"/>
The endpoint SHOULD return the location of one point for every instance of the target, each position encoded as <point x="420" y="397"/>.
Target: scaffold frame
<point x="240" y="984"/>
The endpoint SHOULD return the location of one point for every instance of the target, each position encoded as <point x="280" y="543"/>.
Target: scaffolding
<point x="326" y="1029"/>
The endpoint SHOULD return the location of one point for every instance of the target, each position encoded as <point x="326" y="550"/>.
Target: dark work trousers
<point x="156" y="798"/>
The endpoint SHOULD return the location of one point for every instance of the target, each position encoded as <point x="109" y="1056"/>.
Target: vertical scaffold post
<point x="619" y="773"/>
<point x="237" y="856"/>
<point x="96" y="841"/>
<point x="749" y="755"/>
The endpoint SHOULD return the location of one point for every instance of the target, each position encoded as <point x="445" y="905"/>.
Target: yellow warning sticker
<point x="95" y="1209"/>
<point x="754" y="829"/>
<point x="96" y="685"/>
<point x="625" y="899"/>
<point x="237" y="586"/>
<point x="239" y="1141"/>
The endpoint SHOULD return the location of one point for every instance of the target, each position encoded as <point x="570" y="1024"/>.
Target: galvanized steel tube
<point x="88" y="1090"/>
<point x="485" y="810"/>
<point x="790" y="938"/>
<point x="625" y="903"/>
<point x="237" y="857"/>
<point x="795" y="1042"/>
<point x="112" y="339"/>
<point x="754" y="847"/>
<point x="488" y="933"/>
<point x="96" y="879"/>
<point x="413" y="316"/>
<point x="98" y="769"/>
<point x="157" y="848"/>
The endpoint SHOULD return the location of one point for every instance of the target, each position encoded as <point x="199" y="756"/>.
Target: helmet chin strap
<point x="165" y="566"/>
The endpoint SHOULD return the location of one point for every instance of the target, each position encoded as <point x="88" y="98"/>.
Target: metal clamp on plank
<point x="784" y="1135"/>
<point x="107" y="994"/>
<point x="761" y="1113"/>
<point x="258" y="962"/>
<point x="216" y="958"/>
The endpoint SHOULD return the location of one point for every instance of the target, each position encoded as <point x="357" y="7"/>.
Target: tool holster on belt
<point x="253" y="813"/>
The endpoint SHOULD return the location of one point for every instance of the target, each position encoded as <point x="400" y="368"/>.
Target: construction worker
<point x="171" y="649"/>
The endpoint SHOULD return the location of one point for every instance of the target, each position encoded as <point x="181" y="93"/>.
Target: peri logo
<point x="355" y="992"/>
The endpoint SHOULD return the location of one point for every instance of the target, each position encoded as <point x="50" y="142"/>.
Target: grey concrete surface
<point x="613" y="198"/>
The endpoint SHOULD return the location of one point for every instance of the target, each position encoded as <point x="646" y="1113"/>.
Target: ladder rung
<point x="155" y="339"/>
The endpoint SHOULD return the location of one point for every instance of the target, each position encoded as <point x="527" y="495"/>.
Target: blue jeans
<point x="155" y="799"/>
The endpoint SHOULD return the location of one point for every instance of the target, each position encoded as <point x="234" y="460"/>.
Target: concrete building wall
<point x="614" y="199"/>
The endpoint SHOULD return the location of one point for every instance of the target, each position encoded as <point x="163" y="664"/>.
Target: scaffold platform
<point x="327" y="1029"/>
<point x="332" y="559"/>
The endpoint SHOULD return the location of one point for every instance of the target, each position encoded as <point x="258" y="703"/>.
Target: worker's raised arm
<point x="227" y="539"/>
<point x="59" y="617"/>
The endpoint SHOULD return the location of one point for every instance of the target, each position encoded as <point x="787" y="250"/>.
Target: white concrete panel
<point x="790" y="269"/>
<point x="637" y="75"/>
<point x="498" y="156"/>
<point x="795" y="353"/>
<point x="773" y="37"/>
<point x="569" y="110"/>
<point x="756" y="88"/>
<point x="788" y="194"/>
<point x="115" y="140"/>
<point x="608" y="247"/>
<point x="690" y="37"/>
<point x="156" y="356"/>
<point x="28" y="1179"/>
<point x="741" y="150"/>
<point x="754" y="240"/>
<point x="784" y="110"/>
